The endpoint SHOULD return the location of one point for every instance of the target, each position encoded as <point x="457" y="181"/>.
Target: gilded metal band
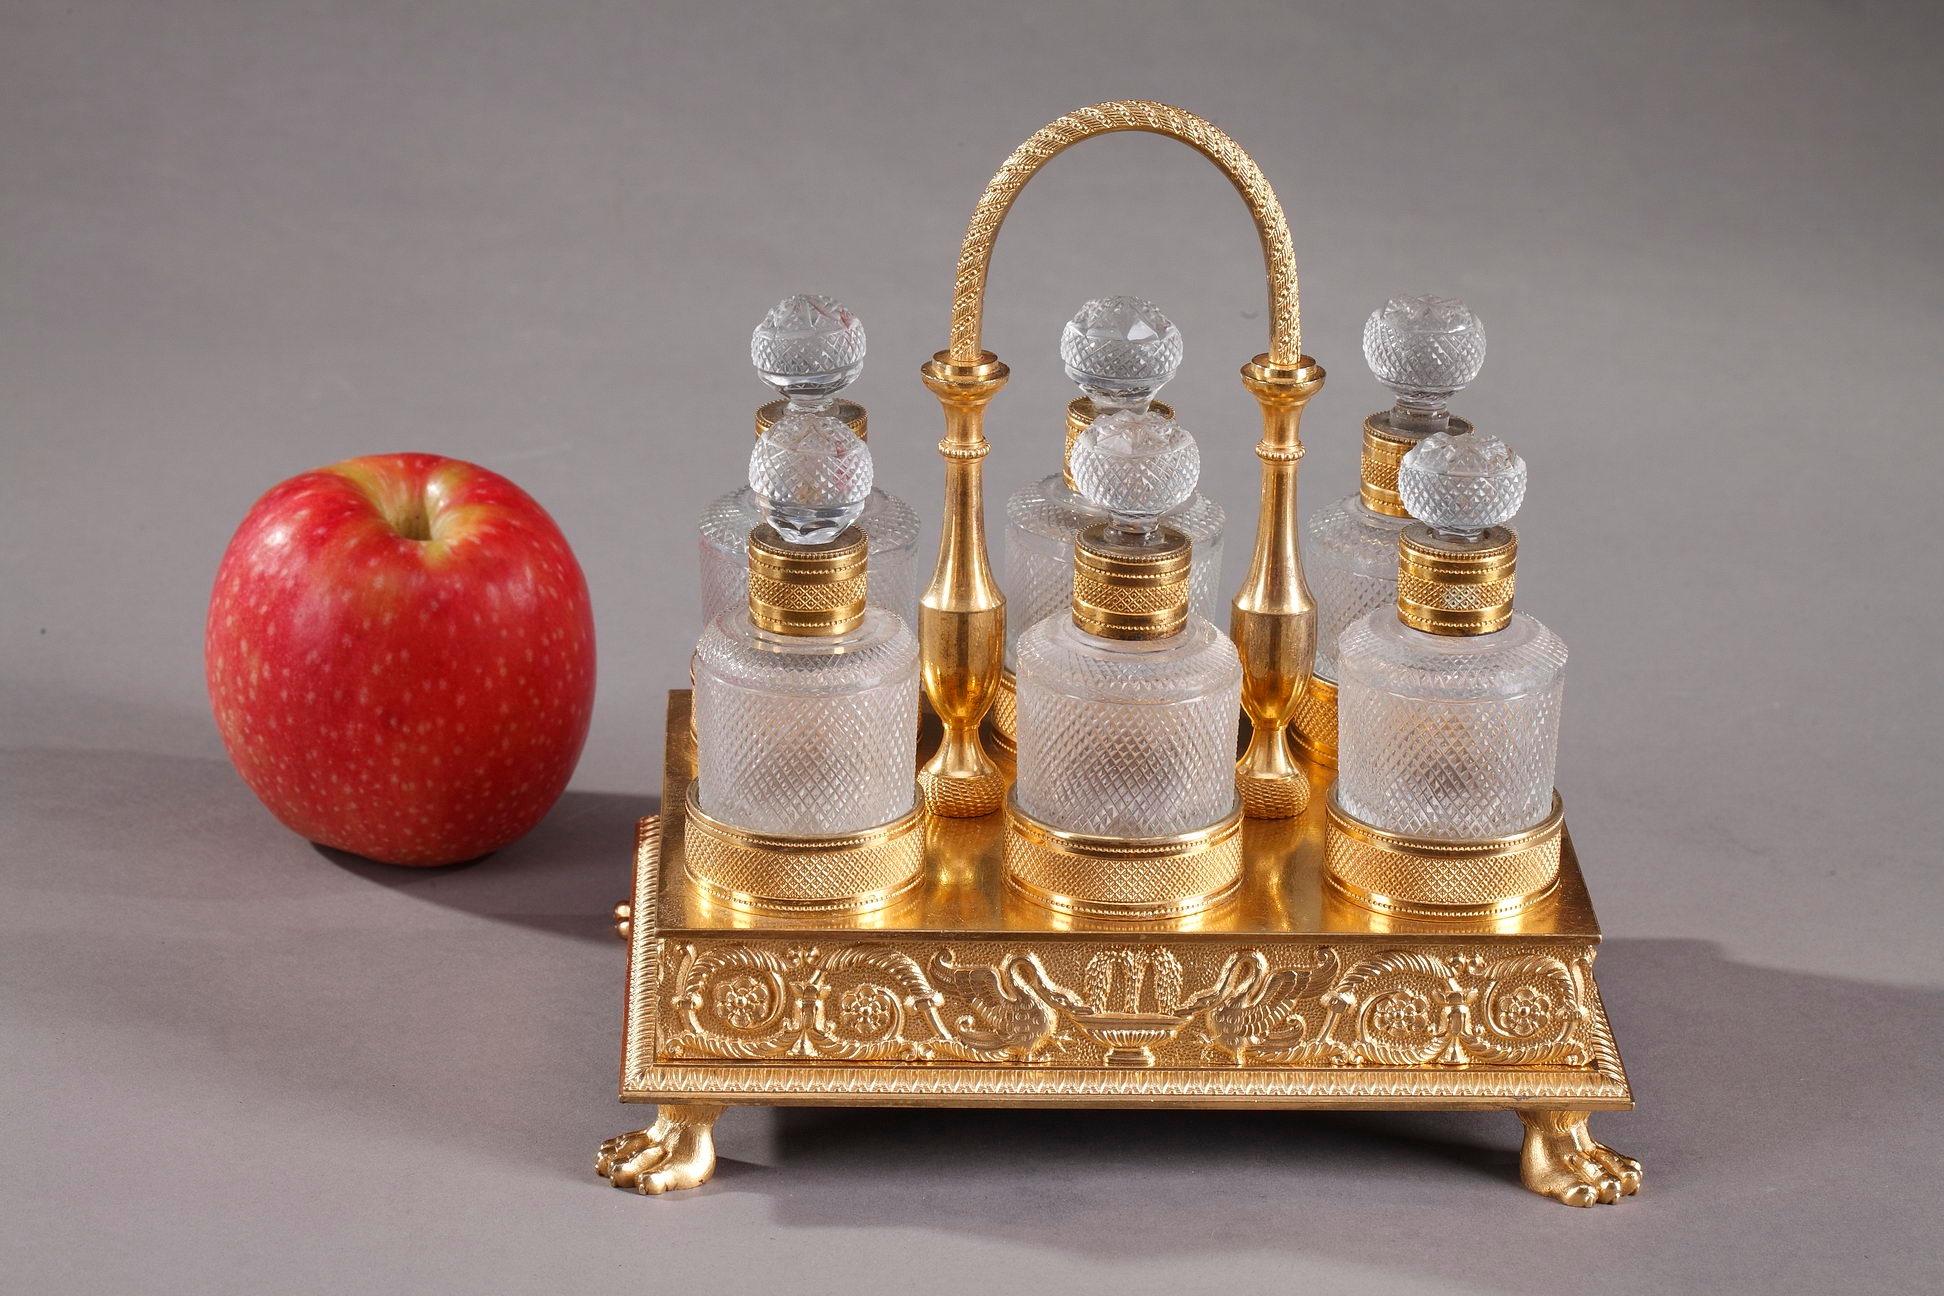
<point x="850" y="412"/>
<point x="1137" y="878"/>
<point x="1313" y="728"/>
<point x="1080" y="415"/>
<point x="1384" y="448"/>
<point x="1455" y="587"/>
<point x="806" y="590"/>
<point x="1004" y="716"/>
<point x="1423" y="877"/>
<point x="809" y="874"/>
<point x="1130" y="591"/>
<point x="1383" y="451"/>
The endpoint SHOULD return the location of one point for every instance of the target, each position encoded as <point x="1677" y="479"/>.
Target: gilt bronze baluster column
<point x="1274" y="618"/>
<point x="962" y="614"/>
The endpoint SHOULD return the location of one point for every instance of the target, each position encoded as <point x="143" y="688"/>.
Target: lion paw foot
<point x="1562" y="1160"/>
<point x="677" y="1151"/>
<point x="1598" y="1176"/>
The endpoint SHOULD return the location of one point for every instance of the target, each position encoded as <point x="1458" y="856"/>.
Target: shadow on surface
<point x="1737" y="1069"/>
<point x="254" y="982"/>
<point x="260" y="995"/>
<point x="565" y="876"/>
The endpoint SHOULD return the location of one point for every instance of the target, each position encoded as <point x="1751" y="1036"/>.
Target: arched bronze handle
<point x="962" y="614"/>
<point x="1055" y="138"/>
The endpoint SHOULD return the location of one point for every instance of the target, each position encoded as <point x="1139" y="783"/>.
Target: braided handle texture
<point x="975" y="254"/>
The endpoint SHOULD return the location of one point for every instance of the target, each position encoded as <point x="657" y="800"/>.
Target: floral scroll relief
<point x="874" y="1002"/>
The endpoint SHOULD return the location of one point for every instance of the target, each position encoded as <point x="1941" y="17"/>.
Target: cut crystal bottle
<point x="810" y="348"/>
<point x="1426" y="350"/>
<point x="806" y="699"/>
<point x="1129" y="700"/>
<point x="1449" y="701"/>
<point x="1120" y="352"/>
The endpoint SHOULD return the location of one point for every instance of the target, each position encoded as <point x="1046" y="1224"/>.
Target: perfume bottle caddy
<point x="1154" y="884"/>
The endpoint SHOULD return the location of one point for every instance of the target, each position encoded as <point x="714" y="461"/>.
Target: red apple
<point x="401" y="657"/>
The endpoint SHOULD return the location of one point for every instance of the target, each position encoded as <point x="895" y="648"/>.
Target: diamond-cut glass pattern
<point x="890" y="530"/>
<point x="808" y="346"/>
<point x="1350" y="555"/>
<point x="1461" y="483"/>
<point x="1123" y="344"/>
<point x="811" y="475"/>
<point x="1424" y="348"/>
<point x="1045" y="517"/>
<point x="1453" y="737"/>
<point x="1135" y="465"/>
<point x="807" y="735"/>
<point x="1129" y="739"/>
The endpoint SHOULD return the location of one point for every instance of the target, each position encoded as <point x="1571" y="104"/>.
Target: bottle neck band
<point x="849" y="413"/>
<point x="1448" y="586"/>
<point x="806" y="590"/>
<point x="1384" y="448"/>
<point x="1125" y="590"/>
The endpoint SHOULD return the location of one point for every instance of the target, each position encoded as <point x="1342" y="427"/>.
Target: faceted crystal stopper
<point x="809" y="347"/>
<point x="1136" y="466"/>
<point x="1460" y="485"/>
<point x="1425" y="349"/>
<point x="1120" y="351"/>
<point x="811" y="476"/>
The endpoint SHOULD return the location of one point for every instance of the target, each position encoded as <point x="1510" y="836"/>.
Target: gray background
<point x="238" y="240"/>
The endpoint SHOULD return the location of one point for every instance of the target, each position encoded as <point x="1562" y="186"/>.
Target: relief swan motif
<point x="1013" y="1008"/>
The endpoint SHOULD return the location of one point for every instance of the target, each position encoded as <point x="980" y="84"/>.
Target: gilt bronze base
<point x="1313" y="729"/>
<point x="966" y="993"/>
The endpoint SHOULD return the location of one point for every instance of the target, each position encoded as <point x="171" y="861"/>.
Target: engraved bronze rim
<point x="1003" y="719"/>
<point x="1383" y="451"/>
<point x="1313" y="727"/>
<point x="807" y="591"/>
<point x="1123" y="878"/>
<point x="850" y="413"/>
<point x="1455" y="587"/>
<point x="828" y="873"/>
<point x="1130" y="591"/>
<point x="1384" y="448"/>
<point x="1427" y="877"/>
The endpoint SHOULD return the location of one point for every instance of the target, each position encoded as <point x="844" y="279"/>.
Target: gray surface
<point x="238" y="240"/>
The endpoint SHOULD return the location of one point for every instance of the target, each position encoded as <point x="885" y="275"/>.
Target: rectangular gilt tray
<point x="968" y="994"/>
